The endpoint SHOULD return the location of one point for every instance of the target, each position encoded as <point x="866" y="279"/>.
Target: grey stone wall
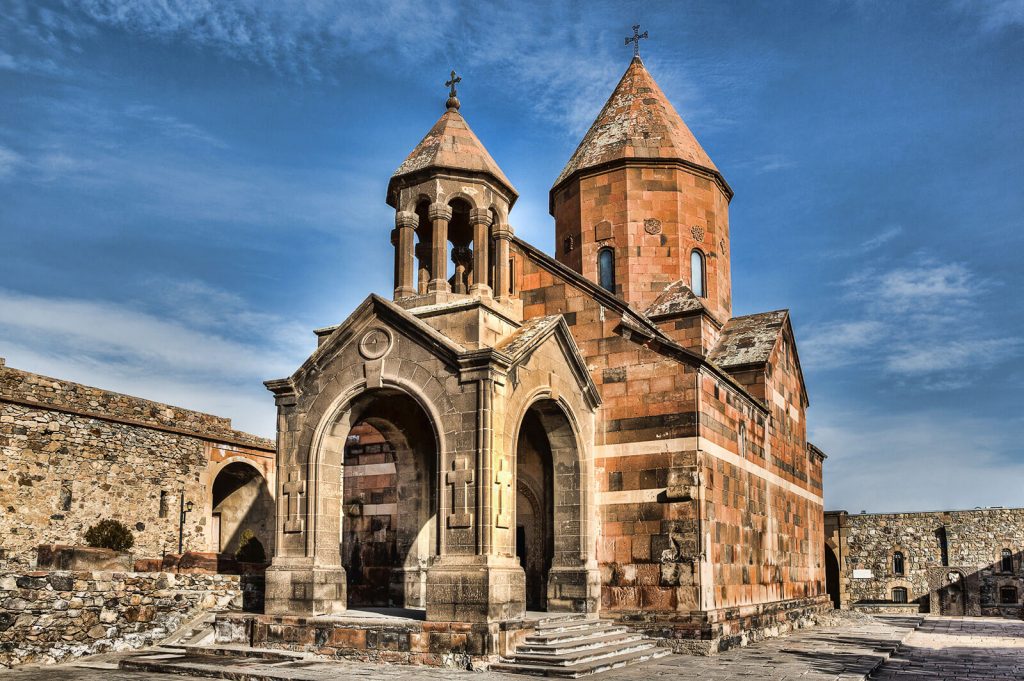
<point x="974" y="542"/>
<point x="71" y="455"/>
<point x="47" y="617"/>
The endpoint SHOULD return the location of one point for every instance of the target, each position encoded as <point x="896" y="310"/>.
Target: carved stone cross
<point x="460" y="478"/>
<point x="293" y="490"/>
<point x="503" y="479"/>
<point x="637" y="36"/>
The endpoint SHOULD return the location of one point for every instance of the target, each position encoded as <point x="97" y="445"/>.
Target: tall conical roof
<point x="451" y="145"/>
<point x="638" y="122"/>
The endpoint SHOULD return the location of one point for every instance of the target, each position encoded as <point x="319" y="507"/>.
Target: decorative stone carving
<point x="291" y="491"/>
<point x="652" y="226"/>
<point x="375" y="344"/>
<point x="698" y="233"/>
<point x="460" y="478"/>
<point x="569" y="244"/>
<point x="506" y="501"/>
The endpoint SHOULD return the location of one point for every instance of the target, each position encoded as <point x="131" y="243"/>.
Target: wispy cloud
<point x="917" y="459"/>
<point x="868" y="245"/>
<point x="204" y="338"/>
<point x="171" y="126"/>
<point x="9" y="161"/>
<point x="915" y="322"/>
<point x="993" y="15"/>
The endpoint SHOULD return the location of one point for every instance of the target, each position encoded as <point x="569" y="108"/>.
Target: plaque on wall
<point x="862" y="573"/>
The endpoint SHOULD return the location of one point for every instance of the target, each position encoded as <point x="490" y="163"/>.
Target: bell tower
<point x="640" y="205"/>
<point x="451" y="204"/>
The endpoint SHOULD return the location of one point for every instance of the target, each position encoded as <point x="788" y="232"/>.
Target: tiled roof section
<point x="524" y="335"/>
<point x="637" y="121"/>
<point x="451" y="144"/>
<point x="748" y="340"/>
<point x="677" y="298"/>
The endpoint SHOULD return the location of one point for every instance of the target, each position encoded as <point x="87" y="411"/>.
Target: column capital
<point x="503" y="232"/>
<point x="480" y="216"/>
<point x="405" y="218"/>
<point x="440" y="211"/>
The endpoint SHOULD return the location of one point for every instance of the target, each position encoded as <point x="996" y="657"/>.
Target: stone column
<point x="480" y="219"/>
<point x="502" y="275"/>
<point x="405" y="224"/>
<point x="440" y="216"/>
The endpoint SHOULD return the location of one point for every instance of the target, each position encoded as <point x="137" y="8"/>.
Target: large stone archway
<point x="240" y="501"/>
<point x="551" y="509"/>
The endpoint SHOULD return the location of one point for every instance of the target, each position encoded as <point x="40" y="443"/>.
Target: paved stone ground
<point x="943" y="649"/>
<point x="960" y="649"/>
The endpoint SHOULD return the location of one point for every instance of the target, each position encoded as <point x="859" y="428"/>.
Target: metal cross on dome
<point x="637" y="35"/>
<point x="452" y="82"/>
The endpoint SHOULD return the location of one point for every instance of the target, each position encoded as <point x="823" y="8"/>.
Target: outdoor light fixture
<point x="186" y="507"/>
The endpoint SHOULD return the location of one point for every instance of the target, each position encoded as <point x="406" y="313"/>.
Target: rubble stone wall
<point x="47" y="617"/>
<point x="71" y="455"/>
<point x="974" y="541"/>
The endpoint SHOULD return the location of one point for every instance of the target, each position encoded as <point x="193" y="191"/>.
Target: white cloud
<point x="993" y="15"/>
<point x="915" y="322"/>
<point x="206" y="349"/>
<point x="9" y="161"/>
<point x="915" y="460"/>
<point x="172" y="127"/>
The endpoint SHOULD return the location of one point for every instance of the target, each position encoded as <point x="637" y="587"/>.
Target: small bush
<point x="110" y="534"/>
<point x="250" y="550"/>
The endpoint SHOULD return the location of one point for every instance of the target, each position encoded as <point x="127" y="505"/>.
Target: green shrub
<point x="110" y="534"/>
<point x="250" y="550"/>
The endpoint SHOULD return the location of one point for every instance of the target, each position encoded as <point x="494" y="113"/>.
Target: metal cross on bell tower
<point x="453" y="99"/>
<point x="637" y="36"/>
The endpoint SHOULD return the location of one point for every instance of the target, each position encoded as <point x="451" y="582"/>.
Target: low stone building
<point x="945" y="562"/>
<point x="589" y="432"/>
<point x="71" y="455"/>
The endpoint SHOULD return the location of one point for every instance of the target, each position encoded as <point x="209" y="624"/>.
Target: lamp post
<point x="186" y="507"/>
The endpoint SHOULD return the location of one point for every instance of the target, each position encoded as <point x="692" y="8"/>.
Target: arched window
<point x="741" y="438"/>
<point x="899" y="595"/>
<point x="606" y="269"/>
<point x="697" y="273"/>
<point x="897" y="563"/>
<point x="1006" y="560"/>
<point x="1008" y="595"/>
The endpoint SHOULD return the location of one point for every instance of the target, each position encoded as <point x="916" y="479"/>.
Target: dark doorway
<point x="832" y="576"/>
<point x="534" y="508"/>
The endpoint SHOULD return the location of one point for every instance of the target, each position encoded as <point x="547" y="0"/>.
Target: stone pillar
<point x="480" y="219"/>
<point x="404" y="240"/>
<point x="440" y="216"/>
<point x="502" y="275"/>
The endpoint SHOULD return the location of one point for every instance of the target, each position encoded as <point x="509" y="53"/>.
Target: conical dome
<point x="451" y="145"/>
<point x="637" y="122"/>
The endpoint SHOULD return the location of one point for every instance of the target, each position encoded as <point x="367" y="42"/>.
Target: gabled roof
<point x="677" y="298"/>
<point x="451" y="145"/>
<point x="637" y="122"/>
<point x="748" y="340"/>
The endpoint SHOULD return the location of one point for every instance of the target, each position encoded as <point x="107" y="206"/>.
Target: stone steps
<point x="574" y="647"/>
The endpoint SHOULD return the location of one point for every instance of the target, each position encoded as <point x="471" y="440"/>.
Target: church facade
<point x="592" y="432"/>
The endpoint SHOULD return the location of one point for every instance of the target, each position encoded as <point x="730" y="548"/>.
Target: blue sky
<point x="188" y="188"/>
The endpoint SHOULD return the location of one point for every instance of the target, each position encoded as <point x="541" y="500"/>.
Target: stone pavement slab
<point x="959" y="649"/>
<point x="846" y="652"/>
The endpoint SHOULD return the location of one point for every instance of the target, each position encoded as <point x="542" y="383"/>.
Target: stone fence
<point x="48" y="617"/>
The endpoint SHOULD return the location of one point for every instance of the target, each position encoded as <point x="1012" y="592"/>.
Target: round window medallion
<point x="652" y="226"/>
<point x="375" y="344"/>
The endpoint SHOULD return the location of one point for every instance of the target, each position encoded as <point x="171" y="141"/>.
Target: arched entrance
<point x="548" y="503"/>
<point x="241" y="501"/>
<point x="389" y="501"/>
<point x="832" y="576"/>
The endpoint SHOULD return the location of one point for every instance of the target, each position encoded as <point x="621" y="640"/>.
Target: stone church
<point x="589" y="432"/>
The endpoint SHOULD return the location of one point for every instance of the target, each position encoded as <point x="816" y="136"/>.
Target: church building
<point x="587" y="432"/>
